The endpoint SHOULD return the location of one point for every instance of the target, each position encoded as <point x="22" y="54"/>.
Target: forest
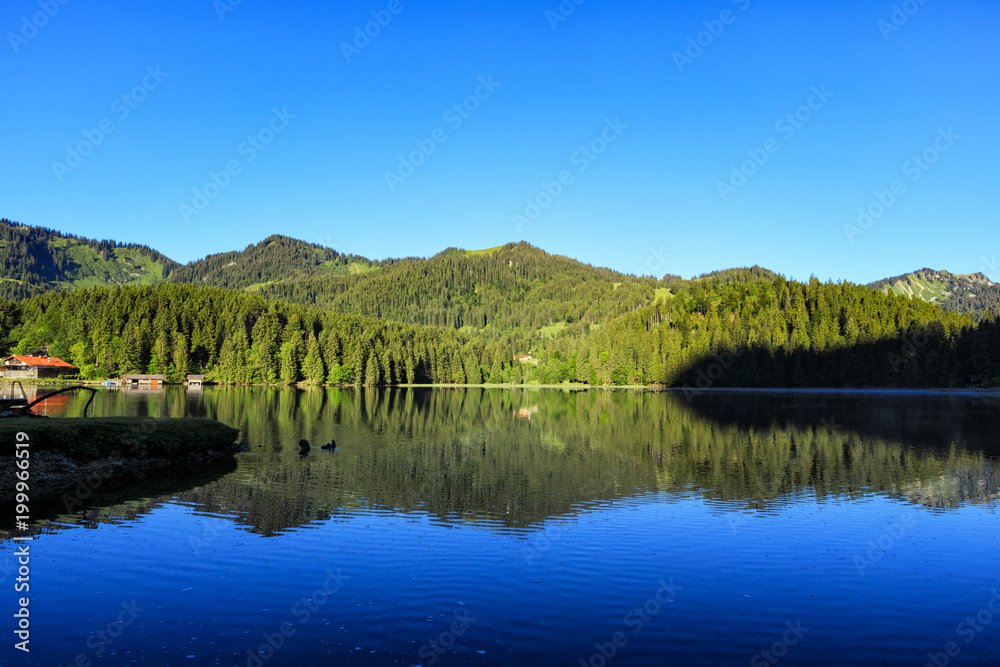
<point x="284" y="311"/>
<point x="739" y="328"/>
<point x="516" y="286"/>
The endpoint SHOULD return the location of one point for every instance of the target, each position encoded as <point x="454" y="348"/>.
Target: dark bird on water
<point x="331" y="446"/>
<point x="303" y="446"/>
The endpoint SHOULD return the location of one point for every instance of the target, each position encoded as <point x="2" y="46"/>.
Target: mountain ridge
<point x="974" y="293"/>
<point x="34" y="260"/>
<point x="286" y="311"/>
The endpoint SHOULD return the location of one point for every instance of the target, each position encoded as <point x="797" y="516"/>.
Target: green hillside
<point x="766" y="333"/>
<point x="515" y="286"/>
<point x="34" y="260"/>
<point x="470" y="316"/>
<point x="975" y="293"/>
<point x="274" y="260"/>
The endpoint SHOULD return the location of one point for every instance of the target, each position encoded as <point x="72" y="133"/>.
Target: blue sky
<point x="605" y="131"/>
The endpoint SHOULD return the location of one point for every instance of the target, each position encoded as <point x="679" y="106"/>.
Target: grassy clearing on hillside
<point x="332" y="268"/>
<point x="485" y="251"/>
<point x="124" y="266"/>
<point x="921" y="289"/>
<point x="551" y="330"/>
<point x="662" y="293"/>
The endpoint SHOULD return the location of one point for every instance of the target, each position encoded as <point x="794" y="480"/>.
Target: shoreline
<point x="953" y="391"/>
<point x="826" y="390"/>
<point x="67" y="451"/>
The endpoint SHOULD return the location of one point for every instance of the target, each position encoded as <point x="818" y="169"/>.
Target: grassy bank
<point x="89" y="439"/>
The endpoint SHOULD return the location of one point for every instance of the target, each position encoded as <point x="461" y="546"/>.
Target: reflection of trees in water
<point x="965" y="481"/>
<point x="467" y="455"/>
<point x="119" y="499"/>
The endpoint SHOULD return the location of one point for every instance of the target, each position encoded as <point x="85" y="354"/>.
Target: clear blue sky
<point x="649" y="202"/>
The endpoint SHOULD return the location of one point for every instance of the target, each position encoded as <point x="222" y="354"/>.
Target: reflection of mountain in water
<point x="957" y="430"/>
<point x="469" y="456"/>
<point x="918" y="419"/>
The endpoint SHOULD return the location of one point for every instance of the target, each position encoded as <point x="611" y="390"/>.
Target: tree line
<point x="748" y="330"/>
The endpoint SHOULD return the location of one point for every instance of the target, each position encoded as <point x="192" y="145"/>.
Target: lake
<point x="533" y="527"/>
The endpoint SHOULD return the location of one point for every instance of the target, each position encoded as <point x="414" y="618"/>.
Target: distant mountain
<point x="34" y="260"/>
<point x="283" y="310"/>
<point x="515" y="286"/>
<point x="275" y="259"/>
<point x="741" y="275"/>
<point x="973" y="293"/>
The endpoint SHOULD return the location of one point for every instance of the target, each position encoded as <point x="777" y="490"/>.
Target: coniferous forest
<point x="284" y="311"/>
<point x="709" y="333"/>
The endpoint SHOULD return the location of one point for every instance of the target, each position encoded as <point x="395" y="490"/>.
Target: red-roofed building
<point x="20" y="366"/>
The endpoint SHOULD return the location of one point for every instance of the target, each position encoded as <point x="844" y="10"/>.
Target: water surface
<point x="519" y="527"/>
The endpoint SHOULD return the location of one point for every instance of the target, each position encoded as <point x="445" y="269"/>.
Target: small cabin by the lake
<point x="19" y="366"/>
<point x="151" y="381"/>
<point x="195" y="380"/>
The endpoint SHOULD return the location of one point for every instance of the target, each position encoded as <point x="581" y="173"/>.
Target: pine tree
<point x="372" y="372"/>
<point x="313" y="367"/>
<point x="289" y="364"/>
<point x="180" y="356"/>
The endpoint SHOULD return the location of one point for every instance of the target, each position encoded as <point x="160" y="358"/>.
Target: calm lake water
<point x="520" y="527"/>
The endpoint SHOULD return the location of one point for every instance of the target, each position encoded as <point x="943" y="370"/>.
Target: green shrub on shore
<point x="88" y="439"/>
